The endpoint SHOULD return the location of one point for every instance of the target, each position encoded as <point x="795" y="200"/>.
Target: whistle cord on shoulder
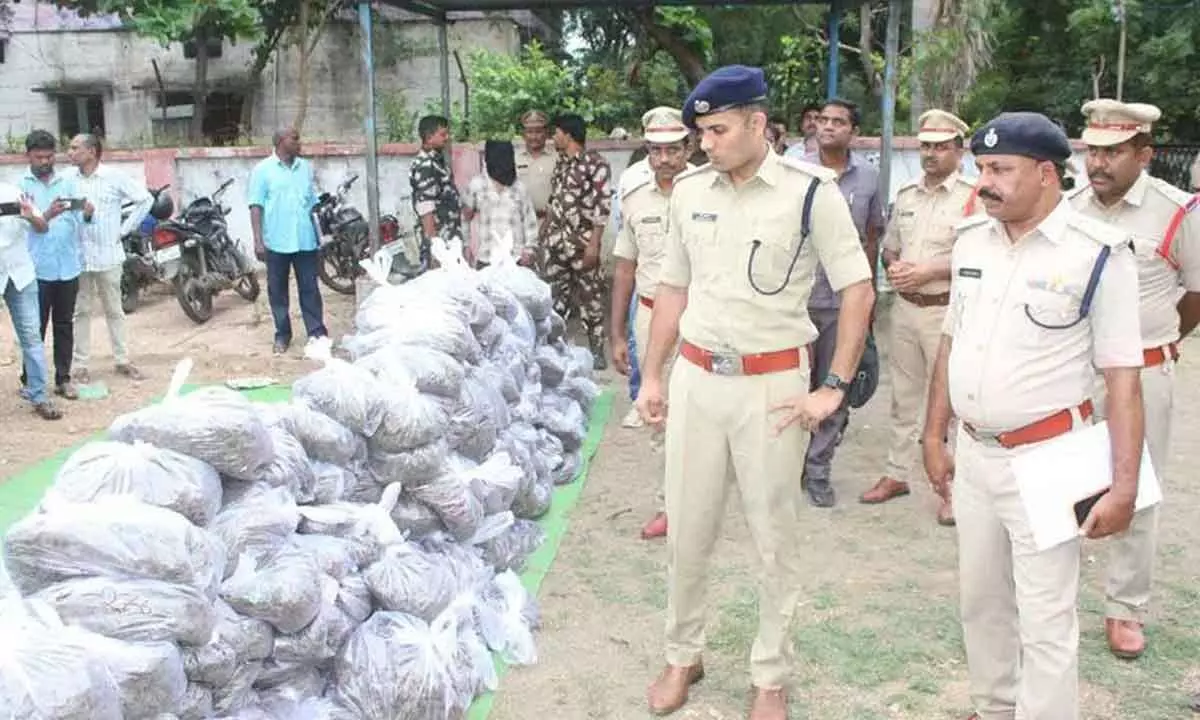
<point x="805" y="230"/>
<point x="1089" y="293"/>
<point x="787" y="279"/>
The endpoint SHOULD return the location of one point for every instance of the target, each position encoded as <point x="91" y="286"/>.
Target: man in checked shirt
<point x="105" y="189"/>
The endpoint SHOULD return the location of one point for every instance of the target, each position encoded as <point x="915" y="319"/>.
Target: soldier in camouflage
<point x="434" y="197"/>
<point x="580" y="204"/>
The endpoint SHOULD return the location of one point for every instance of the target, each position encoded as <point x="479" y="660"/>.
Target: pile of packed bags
<point x="350" y="554"/>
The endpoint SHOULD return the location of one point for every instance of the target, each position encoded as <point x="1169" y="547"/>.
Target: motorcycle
<point x="146" y="256"/>
<point x="345" y="241"/>
<point x="209" y="261"/>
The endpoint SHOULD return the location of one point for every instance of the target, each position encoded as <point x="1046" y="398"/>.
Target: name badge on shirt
<point x="970" y="273"/>
<point x="704" y="217"/>
<point x="651" y="220"/>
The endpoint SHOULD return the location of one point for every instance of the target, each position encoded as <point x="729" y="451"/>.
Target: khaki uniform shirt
<point x="535" y="173"/>
<point x="921" y="228"/>
<point x="642" y="237"/>
<point x="713" y="228"/>
<point x="1145" y="212"/>
<point x="1006" y="371"/>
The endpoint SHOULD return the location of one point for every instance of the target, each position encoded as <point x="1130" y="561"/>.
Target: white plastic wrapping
<point x="346" y="393"/>
<point x="281" y="587"/>
<point x="215" y="425"/>
<point x="134" y="610"/>
<point x="256" y="518"/>
<point x="407" y="579"/>
<point x="111" y="537"/>
<point x="152" y="475"/>
<point x="324" y="439"/>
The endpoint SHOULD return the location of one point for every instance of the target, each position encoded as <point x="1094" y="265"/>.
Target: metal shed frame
<point x="440" y="10"/>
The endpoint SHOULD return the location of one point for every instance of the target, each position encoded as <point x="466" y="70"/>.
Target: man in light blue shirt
<point x="57" y="257"/>
<point x="20" y="292"/>
<point x="282" y="198"/>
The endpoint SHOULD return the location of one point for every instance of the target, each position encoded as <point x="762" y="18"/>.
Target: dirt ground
<point x="877" y="634"/>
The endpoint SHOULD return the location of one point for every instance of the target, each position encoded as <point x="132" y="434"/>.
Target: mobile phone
<point x="1084" y="506"/>
<point x="10" y="208"/>
<point x="74" y="203"/>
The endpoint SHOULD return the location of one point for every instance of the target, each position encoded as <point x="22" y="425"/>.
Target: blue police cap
<point x="724" y="89"/>
<point x="1022" y="133"/>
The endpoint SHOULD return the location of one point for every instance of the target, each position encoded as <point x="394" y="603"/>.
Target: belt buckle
<point x="989" y="439"/>
<point x="726" y="364"/>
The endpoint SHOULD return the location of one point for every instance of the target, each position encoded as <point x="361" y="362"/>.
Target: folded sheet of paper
<point x="1053" y="477"/>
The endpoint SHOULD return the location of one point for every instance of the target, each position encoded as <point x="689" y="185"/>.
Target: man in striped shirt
<point x="105" y="189"/>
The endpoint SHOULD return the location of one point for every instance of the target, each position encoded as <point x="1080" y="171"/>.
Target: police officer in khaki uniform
<point x="916" y="257"/>
<point x="640" y="247"/>
<point x="1166" y="241"/>
<point x="733" y="289"/>
<point x="1041" y="296"/>
<point x="535" y="164"/>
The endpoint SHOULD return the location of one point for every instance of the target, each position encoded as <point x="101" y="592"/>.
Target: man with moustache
<point x="640" y="242"/>
<point x="535" y="164"/>
<point x="1165" y="224"/>
<point x="858" y="181"/>
<point x="744" y="235"/>
<point x="916" y="256"/>
<point x="1041" y="296"/>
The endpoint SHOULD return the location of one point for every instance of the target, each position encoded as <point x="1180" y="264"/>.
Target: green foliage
<point x="797" y="76"/>
<point x="503" y="87"/>
<point x="169" y="21"/>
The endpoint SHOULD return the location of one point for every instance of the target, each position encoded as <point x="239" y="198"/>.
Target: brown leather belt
<point x="733" y="364"/>
<point x="922" y="300"/>
<point x="1158" y="355"/>
<point x="648" y="302"/>
<point x="1051" y="426"/>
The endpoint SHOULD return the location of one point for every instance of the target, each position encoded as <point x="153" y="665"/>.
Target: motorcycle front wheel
<point x="332" y="269"/>
<point x="195" y="299"/>
<point x="129" y="294"/>
<point x="247" y="286"/>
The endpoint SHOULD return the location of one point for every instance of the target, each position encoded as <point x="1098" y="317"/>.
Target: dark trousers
<point x="56" y="300"/>
<point x="824" y="441"/>
<point x="279" y="268"/>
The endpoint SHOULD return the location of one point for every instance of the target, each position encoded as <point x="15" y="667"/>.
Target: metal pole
<point x="835" y="41"/>
<point x="372" y="159"/>
<point x="1121" y="51"/>
<point x="444" y="65"/>
<point x="891" y="58"/>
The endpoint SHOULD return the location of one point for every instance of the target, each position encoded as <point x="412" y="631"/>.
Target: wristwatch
<point x="834" y="382"/>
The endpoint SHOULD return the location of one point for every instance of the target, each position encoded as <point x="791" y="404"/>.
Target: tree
<point x="504" y="86"/>
<point x="168" y="21"/>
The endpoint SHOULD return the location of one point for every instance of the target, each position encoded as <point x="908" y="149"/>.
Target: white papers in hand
<point x="1054" y="476"/>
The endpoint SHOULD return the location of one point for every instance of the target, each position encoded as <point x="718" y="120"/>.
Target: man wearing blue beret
<point x="744" y="236"/>
<point x="1040" y="296"/>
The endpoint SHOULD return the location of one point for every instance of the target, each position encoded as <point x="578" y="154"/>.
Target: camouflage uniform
<point x="579" y="202"/>
<point x="433" y="191"/>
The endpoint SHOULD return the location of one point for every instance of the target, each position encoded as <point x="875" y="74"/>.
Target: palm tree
<point x="953" y="45"/>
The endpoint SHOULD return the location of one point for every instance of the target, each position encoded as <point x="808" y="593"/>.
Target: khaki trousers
<point x="103" y="286"/>
<point x="1131" y="554"/>
<point x="916" y="335"/>
<point x="719" y="429"/>
<point x="1020" y="623"/>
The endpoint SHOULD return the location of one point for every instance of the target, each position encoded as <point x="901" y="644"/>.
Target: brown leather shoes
<point x="769" y="705"/>
<point x="886" y="489"/>
<point x="669" y="692"/>
<point x="656" y="528"/>
<point x="1125" y="638"/>
<point x="945" y="514"/>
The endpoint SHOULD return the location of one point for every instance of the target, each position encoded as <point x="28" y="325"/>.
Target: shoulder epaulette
<point x="1098" y="230"/>
<point x="820" y="172"/>
<point x="628" y="185"/>
<point x="695" y="172"/>
<point x="971" y="222"/>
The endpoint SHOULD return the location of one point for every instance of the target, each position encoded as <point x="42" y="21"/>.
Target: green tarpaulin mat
<point x="21" y="493"/>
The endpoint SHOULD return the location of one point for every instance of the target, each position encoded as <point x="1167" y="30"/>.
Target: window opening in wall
<point x="80" y="114"/>
<point x="214" y="48"/>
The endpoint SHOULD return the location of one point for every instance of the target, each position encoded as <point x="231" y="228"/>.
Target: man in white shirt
<point x="17" y="283"/>
<point x="105" y="189"/>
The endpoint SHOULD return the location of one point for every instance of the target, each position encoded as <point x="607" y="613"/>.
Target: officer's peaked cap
<point x="1022" y="133"/>
<point x="725" y="88"/>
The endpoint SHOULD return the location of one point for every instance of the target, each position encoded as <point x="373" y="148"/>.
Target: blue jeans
<point x="635" y="375"/>
<point x="26" y="314"/>
<point x="279" y="267"/>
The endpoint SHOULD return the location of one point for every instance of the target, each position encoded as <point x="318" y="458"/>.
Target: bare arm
<point x="889" y="257"/>
<point x="937" y="408"/>
<point x="871" y="248"/>
<point x="1126" y="427"/>
<point x="669" y="304"/>
<point x="428" y="226"/>
<point x="1189" y="313"/>
<point x="854" y="320"/>
<point x="622" y="293"/>
<point x="256" y="224"/>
